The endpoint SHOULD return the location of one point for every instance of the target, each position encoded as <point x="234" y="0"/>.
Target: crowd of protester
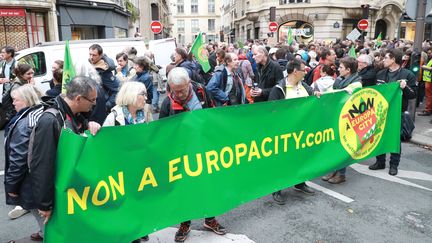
<point x="107" y="94"/>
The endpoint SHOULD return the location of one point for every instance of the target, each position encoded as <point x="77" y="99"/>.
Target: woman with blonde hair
<point x="27" y="102"/>
<point x="130" y="103"/>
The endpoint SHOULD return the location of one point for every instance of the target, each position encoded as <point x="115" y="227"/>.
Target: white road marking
<point x="383" y="174"/>
<point x="414" y="175"/>
<point x="197" y="236"/>
<point x="1" y="172"/>
<point x="331" y="193"/>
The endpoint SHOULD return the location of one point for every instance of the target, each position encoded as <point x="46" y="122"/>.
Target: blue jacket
<point x="110" y="83"/>
<point x="147" y="80"/>
<point x="216" y="86"/>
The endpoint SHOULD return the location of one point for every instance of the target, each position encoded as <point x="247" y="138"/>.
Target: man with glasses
<point x="186" y="95"/>
<point x="366" y="71"/>
<point x="288" y="88"/>
<point x="7" y="64"/>
<point x="65" y="113"/>
<point x="393" y="72"/>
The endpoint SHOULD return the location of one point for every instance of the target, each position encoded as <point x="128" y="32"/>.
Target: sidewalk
<point x="422" y="134"/>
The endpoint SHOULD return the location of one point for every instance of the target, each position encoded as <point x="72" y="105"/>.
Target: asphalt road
<point x="384" y="209"/>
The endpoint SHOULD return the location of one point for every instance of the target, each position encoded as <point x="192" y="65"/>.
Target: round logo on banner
<point x="362" y="122"/>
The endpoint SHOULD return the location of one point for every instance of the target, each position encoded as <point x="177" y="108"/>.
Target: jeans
<point x="155" y="100"/>
<point x="40" y="221"/>
<point x="394" y="159"/>
<point x="342" y="171"/>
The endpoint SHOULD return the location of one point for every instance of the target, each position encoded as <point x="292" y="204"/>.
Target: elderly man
<point x="366" y="71"/>
<point x="186" y="95"/>
<point x="80" y="97"/>
<point x="269" y="73"/>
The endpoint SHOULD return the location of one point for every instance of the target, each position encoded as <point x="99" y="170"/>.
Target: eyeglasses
<point x="93" y="101"/>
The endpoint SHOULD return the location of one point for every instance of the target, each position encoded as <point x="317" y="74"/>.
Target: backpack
<point x="195" y="76"/>
<point x="407" y="127"/>
<point x="308" y="78"/>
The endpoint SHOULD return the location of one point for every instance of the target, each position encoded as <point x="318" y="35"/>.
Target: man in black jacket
<point x="393" y="72"/>
<point x="366" y="70"/>
<point x="269" y="73"/>
<point x="80" y="97"/>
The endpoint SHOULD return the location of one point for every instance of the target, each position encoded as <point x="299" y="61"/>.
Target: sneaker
<point x="304" y="188"/>
<point x="424" y="113"/>
<point x="214" y="226"/>
<point x="328" y="176"/>
<point x="182" y="233"/>
<point x="17" y="212"/>
<point x="36" y="237"/>
<point x="144" y="238"/>
<point x="393" y="170"/>
<point x="377" y="166"/>
<point x="337" y="179"/>
<point x="279" y="198"/>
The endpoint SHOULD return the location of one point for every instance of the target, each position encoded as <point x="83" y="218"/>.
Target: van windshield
<point x="36" y="61"/>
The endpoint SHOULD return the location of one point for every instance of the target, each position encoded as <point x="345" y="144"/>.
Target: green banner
<point x="129" y="181"/>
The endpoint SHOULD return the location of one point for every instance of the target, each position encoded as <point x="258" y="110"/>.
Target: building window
<point x="210" y="38"/>
<point x="180" y="6"/>
<point x="211" y="6"/>
<point x="181" y="39"/>
<point x="211" y="25"/>
<point x="195" y="25"/>
<point x="180" y="25"/>
<point x="194" y="6"/>
<point x="35" y="28"/>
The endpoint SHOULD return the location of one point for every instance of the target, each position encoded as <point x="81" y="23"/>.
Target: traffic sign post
<point x="273" y="26"/>
<point x="363" y="24"/>
<point x="156" y="27"/>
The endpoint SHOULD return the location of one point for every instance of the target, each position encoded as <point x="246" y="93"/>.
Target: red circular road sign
<point x="156" y="27"/>
<point x="273" y="26"/>
<point x="363" y="24"/>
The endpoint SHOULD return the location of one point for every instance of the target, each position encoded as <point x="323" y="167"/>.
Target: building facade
<point x="310" y="19"/>
<point x="23" y="23"/>
<point x="92" y="19"/>
<point x="190" y="17"/>
<point x="154" y="10"/>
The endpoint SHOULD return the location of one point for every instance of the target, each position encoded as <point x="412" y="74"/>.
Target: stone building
<point x="25" y="23"/>
<point x="312" y="19"/>
<point x="154" y="10"/>
<point x="190" y="17"/>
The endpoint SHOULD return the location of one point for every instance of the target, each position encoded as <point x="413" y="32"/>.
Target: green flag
<point x="378" y="41"/>
<point x="290" y="37"/>
<point x="68" y="68"/>
<point x="240" y="44"/>
<point x="352" y="52"/>
<point x="211" y="162"/>
<point x="200" y="52"/>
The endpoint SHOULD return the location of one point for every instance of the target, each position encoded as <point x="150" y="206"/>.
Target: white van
<point x="42" y="57"/>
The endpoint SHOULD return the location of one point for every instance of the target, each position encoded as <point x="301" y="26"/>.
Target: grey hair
<point x="366" y="58"/>
<point x="80" y="85"/>
<point x="85" y="68"/>
<point x="262" y="49"/>
<point x="178" y="75"/>
<point x="29" y="94"/>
